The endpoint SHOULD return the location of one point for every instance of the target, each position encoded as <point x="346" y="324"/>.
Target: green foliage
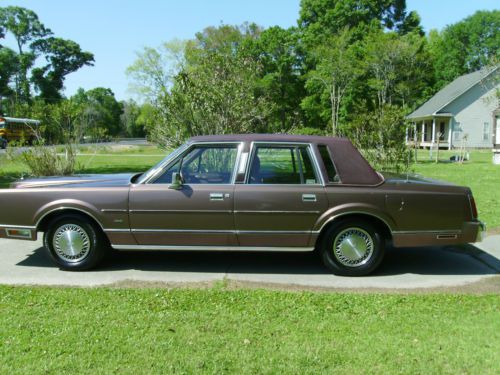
<point x="322" y="18"/>
<point x="43" y="160"/>
<point x="380" y="135"/>
<point x="63" y="57"/>
<point x="465" y="46"/>
<point x="33" y="40"/>
<point x="279" y="78"/>
<point x="216" y="96"/>
<point x="100" y="112"/>
<point x="337" y="68"/>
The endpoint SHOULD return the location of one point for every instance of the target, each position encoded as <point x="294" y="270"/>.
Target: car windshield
<point x="158" y="167"/>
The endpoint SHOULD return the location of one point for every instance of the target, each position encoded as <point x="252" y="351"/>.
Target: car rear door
<point x="282" y="197"/>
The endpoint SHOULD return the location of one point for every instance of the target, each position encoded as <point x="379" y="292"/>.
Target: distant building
<point x="467" y="107"/>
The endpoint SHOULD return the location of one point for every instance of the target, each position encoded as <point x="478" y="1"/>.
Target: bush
<point x="46" y="161"/>
<point x="380" y="136"/>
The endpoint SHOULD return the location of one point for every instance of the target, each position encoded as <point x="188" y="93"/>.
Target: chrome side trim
<point x="273" y="232"/>
<point x="209" y="231"/>
<point x="111" y="210"/>
<point x="211" y="248"/>
<point x="116" y="230"/>
<point x="274" y="212"/>
<point x="183" y="211"/>
<point x="7" y="226"/>
<point x="437" y="232"/>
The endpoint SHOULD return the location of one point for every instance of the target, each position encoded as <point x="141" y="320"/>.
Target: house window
<point x="486" y="131"/>
<point x="457" y="131"/>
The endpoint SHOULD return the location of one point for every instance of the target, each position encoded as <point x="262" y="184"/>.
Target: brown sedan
<point x="243" y="193"/>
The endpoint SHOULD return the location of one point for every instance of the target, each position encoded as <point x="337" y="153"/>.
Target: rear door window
<point x="282" y="165"/>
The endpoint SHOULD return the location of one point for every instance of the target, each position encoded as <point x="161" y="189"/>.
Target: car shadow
<point x="459" y="260"/>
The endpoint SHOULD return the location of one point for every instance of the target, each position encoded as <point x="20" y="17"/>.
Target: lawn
<point x="103" y="330"/>
<point x="479" y="173"/>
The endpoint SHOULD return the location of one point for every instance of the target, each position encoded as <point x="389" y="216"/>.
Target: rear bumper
<point x="472" y="231"/>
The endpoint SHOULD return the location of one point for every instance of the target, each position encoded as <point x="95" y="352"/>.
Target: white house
<point x="467" y="108"/>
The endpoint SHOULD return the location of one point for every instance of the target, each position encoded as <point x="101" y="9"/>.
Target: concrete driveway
<point x="413" y="268"/>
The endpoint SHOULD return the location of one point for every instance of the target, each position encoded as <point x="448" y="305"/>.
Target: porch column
<point x="415" y="133"/>
<point x="433" y="138"/>
<point x="423" y="131"/>
<point x="450" y="133"/>
<point x="406" y="135"/>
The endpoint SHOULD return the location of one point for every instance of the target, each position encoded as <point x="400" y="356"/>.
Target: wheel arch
<point x="379" y="223"/>
<point x="47" y="217"/>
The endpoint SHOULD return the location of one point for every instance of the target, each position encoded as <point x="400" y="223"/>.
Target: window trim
<point x="189" y="148"/>
<point x="253" y="150"/>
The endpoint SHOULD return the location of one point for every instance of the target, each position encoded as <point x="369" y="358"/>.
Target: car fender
<point x="67" y="204"/>
<point x="337" y="212"/>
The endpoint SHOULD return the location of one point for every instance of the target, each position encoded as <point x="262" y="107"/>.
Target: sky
<point x="114" y="30"/>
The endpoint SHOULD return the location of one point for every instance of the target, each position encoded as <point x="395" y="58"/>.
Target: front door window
<point x="203" y="165"/>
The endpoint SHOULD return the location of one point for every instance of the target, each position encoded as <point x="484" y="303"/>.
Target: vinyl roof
<point x="265" y="138"/>
<point x="450" y="92"/>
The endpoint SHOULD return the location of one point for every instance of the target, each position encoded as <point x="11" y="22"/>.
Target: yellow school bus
<point x="17" y="129"/>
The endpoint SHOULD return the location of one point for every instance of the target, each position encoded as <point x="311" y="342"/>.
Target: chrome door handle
<point x="308" y="197"/>
<point x="216" y="196"/>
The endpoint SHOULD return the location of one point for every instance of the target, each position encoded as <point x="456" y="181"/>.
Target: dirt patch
<point x="489" y="285"/>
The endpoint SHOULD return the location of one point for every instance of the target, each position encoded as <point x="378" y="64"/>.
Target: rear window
<point x="328" y="163"/>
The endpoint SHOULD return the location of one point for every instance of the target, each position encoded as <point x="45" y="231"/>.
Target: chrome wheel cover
<point x="353" y="247"/>
<point x="71" y="243"/>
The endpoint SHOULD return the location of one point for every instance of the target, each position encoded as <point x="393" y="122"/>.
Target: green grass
<point x="480" y="174"/>
<point x="71" y="330"/>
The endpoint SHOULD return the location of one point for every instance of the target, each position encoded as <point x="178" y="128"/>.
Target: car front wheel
<point x="352" y="248"/>
<point x="75" y="243"/>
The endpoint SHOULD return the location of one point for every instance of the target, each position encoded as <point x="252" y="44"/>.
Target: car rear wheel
<point x="352" y="248"/>
<point x="75" y="243"/>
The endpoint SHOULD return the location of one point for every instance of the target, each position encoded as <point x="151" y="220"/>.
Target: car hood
<point x="84" y="180"/>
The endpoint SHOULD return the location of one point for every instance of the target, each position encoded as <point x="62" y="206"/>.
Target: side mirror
<point x="176" y="181"/>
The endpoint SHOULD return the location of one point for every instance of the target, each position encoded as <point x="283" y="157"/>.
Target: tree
<point x="336" y="70"/>
<point x="135" y="118"/>
<point x="214" y="97"/>
<point x="9" y="66"/>
<point x="154" y="69"/>
<point x="398" y="67"/>
<point x="280" y="82"/>
<point x="465" y="46"/>
<point x="26" y="28"/>
<point x="323" y="18"/>
<point x="101" y="113"/>
<point x="63" y="57"/>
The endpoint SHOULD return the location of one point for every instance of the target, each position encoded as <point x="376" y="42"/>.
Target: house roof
<point x="450" y="92"/>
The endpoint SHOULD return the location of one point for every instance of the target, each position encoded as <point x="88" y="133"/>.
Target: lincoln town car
<point x="243" y="193"/>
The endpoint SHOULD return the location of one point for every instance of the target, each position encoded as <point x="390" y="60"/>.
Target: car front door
<point x="281" y="199"/>
<point x="199" y="213"/>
